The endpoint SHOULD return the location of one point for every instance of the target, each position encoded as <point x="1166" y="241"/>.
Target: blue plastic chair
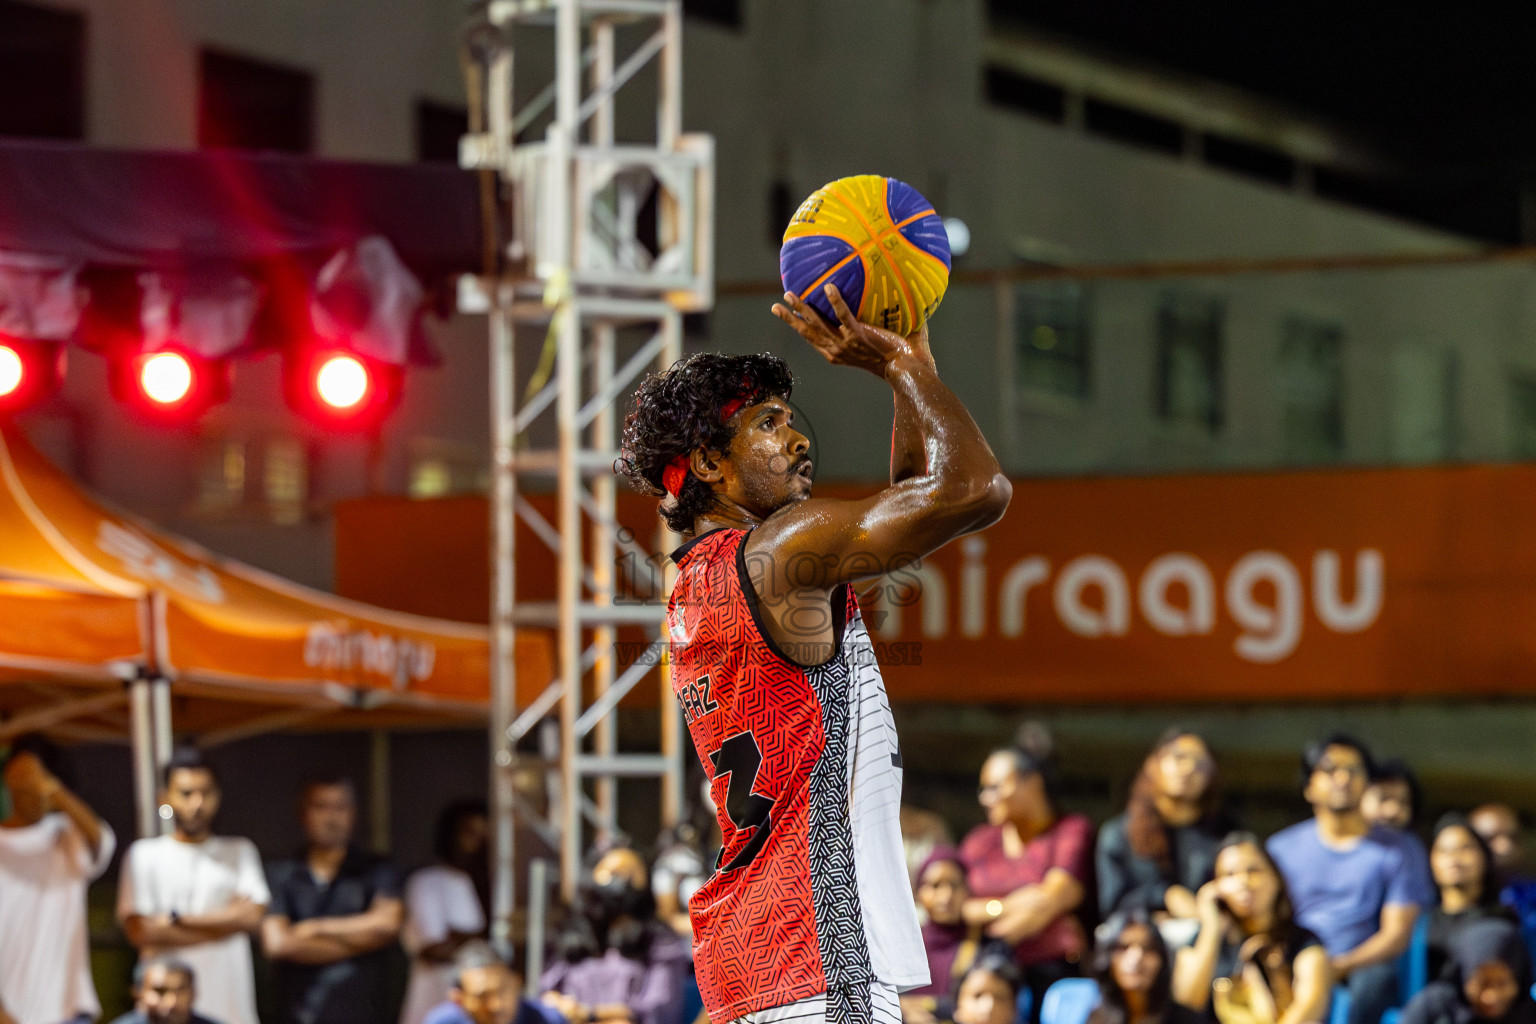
<point x="1412" y="976"/>
<point x="1338" y="1009"/>
<point x="1069" y="1001"/>
<point x="1413" y="965"/>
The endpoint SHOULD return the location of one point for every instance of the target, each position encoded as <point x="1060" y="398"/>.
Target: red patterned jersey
<point x="810" y="890"/>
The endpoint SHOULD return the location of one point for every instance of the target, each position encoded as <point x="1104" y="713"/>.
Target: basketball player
<point x="809" y="915"/>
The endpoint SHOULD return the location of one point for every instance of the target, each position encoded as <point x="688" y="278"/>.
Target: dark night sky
<point x="1449" y="89"/>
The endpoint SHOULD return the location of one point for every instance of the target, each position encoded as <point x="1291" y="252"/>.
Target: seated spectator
<point x="1157" y="855"/>
<point x="679" y="871"/>
<point x="952" y="945"/>
<point x="1499" y="825"/>
<point x="922" y="832"/>
<point x="1358" y="886"/>
<point x="1462" y="867"/>
<point x="443" y="911"/>
<point x="163" y="990"/>
<point x="51" y="846"/>
<point x="616" y="961"/>
<point x="1135" y="974"/>
<point x="487" y="991"/>
<point x="1027" y="868"/>
<point x="1490" y="981"/>
<point x="1393" y="798"/>
<point x="1251" y="960"/>
<point x="989" y="992"/>
<point x="335" y="909"/>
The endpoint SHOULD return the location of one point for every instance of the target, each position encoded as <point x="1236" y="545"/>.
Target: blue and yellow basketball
<point x="879" y="241"/>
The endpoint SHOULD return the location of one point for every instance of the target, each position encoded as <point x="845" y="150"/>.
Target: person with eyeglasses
<point x="1029" y="870"/>
<point x="1360" y="887"/>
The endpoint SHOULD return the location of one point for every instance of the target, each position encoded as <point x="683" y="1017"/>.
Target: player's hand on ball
<point x="850" y="344"/>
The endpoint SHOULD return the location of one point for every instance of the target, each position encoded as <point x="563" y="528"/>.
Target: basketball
<point x="879" y="241"/>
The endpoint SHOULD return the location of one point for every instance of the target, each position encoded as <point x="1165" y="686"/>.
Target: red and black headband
<point x="676" y="473"/>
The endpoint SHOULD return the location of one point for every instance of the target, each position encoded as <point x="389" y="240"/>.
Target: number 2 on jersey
<point x="741" y="758"/>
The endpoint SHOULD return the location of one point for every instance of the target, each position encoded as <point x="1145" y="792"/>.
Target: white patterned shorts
<point x="873" y="1003"/>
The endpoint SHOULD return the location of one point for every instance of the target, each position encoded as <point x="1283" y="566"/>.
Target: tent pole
<point x="160" y="717"/>
<point x="145" y="791"/>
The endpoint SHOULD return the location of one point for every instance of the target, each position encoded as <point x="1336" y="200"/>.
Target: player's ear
<point x="706" y="465"/>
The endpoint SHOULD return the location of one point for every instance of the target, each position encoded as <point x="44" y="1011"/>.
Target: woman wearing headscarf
<point x="1489" y="983"/>
<point x="951" y="944"/>
<point x="1463" y="868"/>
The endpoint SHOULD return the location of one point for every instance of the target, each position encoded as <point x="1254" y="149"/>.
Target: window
<point x="253" y="475"/>
<point x="781" y="207"/>
<point x="1522" y="394"/>
<point x="1424" y="407"/>
<point x="1249" y="159"/>
<point x="443" y="468"/>
<point x="1051" y="339"/>
<point x="721" y="12"/>
<point x="1189" y="330"/>
<point x="285" y="479"/>
<point x="438" y="129"/>
<point x="1008" y="88"/>
<point x="1133" y="127"/>
<point x="42" y="72"/>
<point x="1311" y="391"/>
<point x="250" y="104"/>
<point x="221" y="484"/>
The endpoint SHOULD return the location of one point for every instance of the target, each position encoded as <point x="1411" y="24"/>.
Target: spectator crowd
<point x="1168" y="913"/>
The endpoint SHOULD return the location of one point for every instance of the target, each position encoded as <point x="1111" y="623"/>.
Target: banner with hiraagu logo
<point x="1245" y="587"/>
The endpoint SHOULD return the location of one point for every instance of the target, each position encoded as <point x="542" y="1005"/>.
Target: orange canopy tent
<point x="91" y="599"/>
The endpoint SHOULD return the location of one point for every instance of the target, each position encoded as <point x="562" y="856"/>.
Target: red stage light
<point x="337" y="388"/>
<point x="171" y="386"/>
<point x="166" y="377"/>
<point x="342" y="382"/>
<point x="13" y="371"/>
<point x="30" y="372"/>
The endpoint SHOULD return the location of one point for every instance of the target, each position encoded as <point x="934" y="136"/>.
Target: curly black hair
<point x="678" y="411"/>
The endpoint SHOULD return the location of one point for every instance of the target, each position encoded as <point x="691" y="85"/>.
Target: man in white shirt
<point x="51" y="847"/>
<point x="197" y="894"/>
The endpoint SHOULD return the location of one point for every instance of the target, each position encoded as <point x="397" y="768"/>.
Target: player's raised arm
<point x="953" y="485"/>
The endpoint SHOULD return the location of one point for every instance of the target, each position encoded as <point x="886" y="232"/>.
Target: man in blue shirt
<point x="487" y="991"/>
<point x="1359" y="887"/>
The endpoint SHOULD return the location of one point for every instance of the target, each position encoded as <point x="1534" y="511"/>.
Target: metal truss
<point x="608" y="292"/>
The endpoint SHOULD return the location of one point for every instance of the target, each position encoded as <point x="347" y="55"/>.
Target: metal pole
<point x="603" y="550"/>
<point x="672" y="796"/>
<point x="538" y="912"/>
<point x="503" y="634"/>
<point x="160" y="716"/>
<point x="146" y="784"/>
<point x="564" y="136"/>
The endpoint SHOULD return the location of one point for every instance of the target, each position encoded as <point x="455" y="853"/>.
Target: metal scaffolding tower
<point x="609" y="245"/>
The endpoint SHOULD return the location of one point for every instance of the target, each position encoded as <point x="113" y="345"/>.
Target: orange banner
<point x="1309" y="586"/>
<point x="1318" y="585"/>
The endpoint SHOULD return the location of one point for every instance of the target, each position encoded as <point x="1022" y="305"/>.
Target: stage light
<point x="342" y="381"/>
<point x="166" y="377"/>
<point x="12" y="371"/>
<point x="30" y="371"/>
<point x="339" y="388"/>
<point x="168" y="386"/>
